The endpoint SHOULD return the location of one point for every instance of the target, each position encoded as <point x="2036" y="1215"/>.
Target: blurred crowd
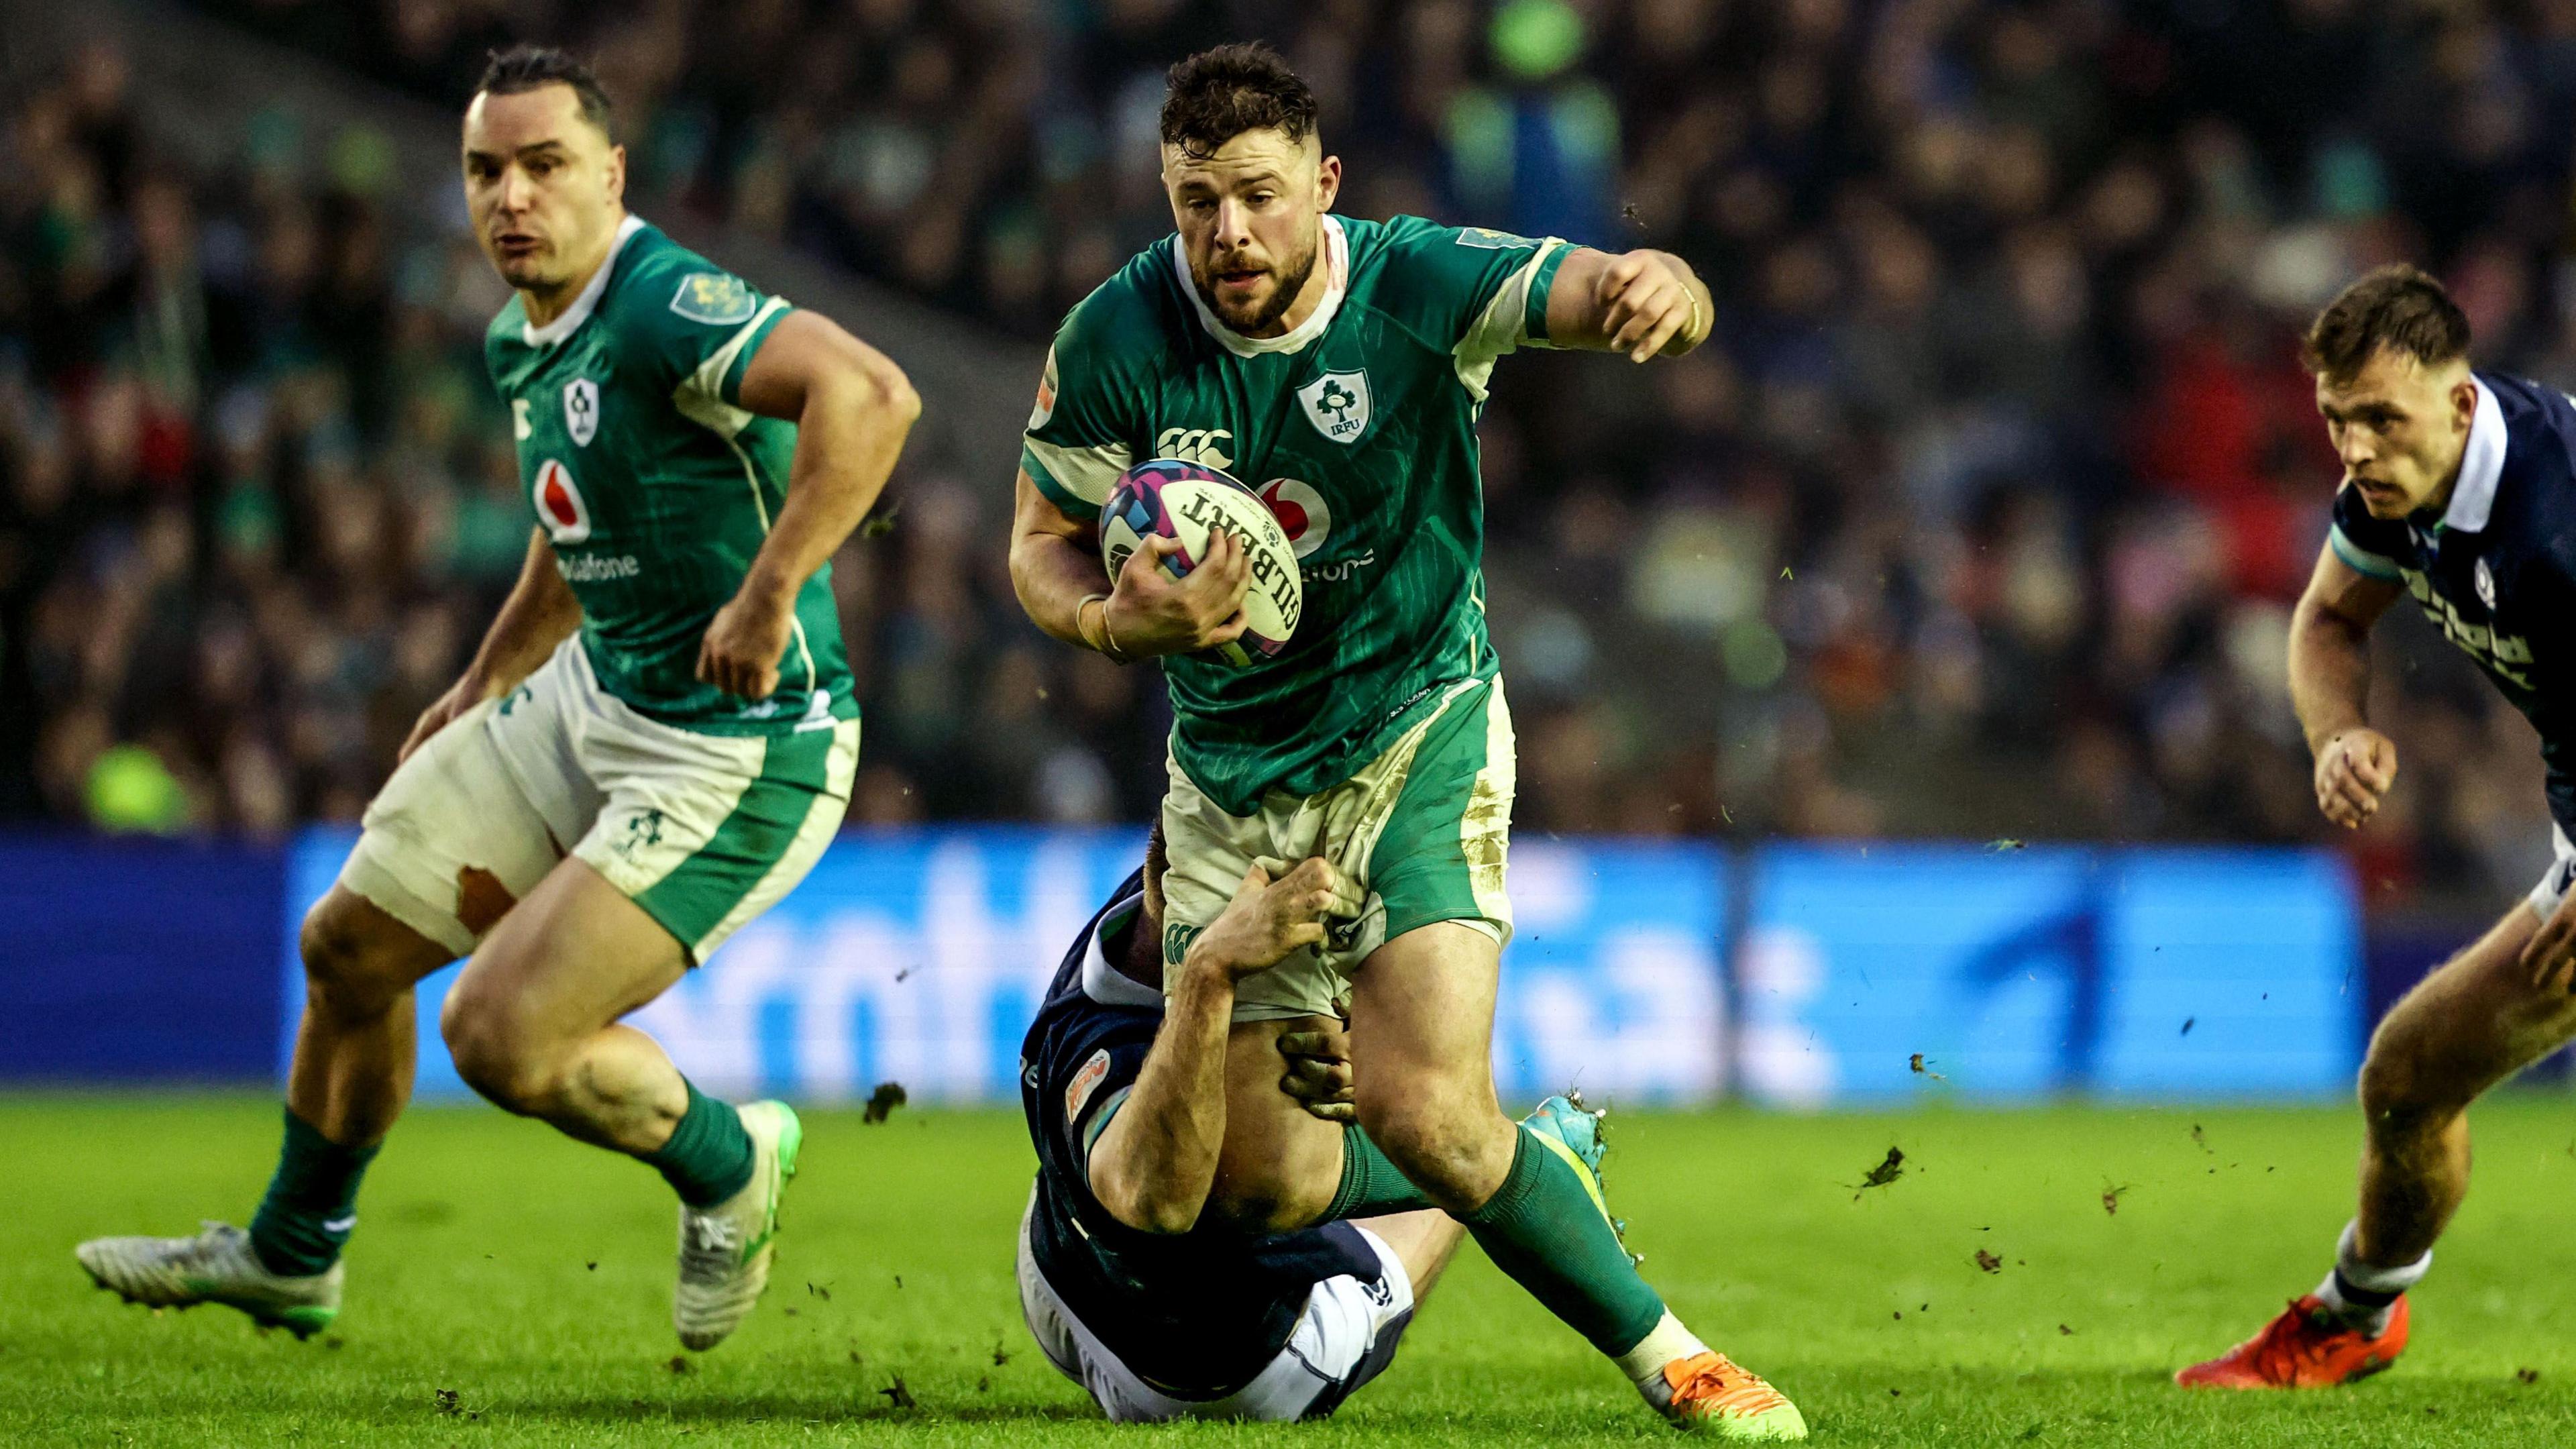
<point x="1979" y="518"/>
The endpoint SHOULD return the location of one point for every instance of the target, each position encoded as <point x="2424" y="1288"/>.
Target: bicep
<point x="1036" y="515"/>
<point x="805" y="350"/>
<point x="2346" y="595"/>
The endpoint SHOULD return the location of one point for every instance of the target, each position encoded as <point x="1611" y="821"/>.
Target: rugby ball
<point x="1186" y="501"/>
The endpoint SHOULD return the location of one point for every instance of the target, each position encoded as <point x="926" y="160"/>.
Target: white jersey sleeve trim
<point x="700" y="395"/>
<point x="1086" y="473"/>
<point x="1503" y="327"/>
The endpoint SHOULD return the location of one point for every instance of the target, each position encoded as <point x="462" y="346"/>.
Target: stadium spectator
<point x="1980" y="520"/>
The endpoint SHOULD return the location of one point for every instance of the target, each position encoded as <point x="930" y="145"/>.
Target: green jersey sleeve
<point x="1482" y="292"/>
<point x="690" y="329"/>
<point x="1082" y="433"/>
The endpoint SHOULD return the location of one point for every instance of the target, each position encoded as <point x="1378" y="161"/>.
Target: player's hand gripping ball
<point x="1184" y="502"/>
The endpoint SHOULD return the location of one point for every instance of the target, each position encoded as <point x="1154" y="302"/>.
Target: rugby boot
<point x="2307" y="1347"/>
<point x="725" y="1249"/>
<point x="218" y="1265"/>
<point x="1710" y="1394"/>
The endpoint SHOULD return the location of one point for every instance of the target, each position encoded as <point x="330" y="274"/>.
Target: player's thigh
<point x="575" y="956"/>
<point x="1438" y="852"/>
<point x="1422" y="1029"/>
<point x="706" y="832"/>
<point x="2476" y="1020"/>
<point x="452" y="841"/>
<point x="1280" y="1164"/>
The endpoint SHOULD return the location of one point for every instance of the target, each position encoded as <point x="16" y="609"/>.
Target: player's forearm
<point x="539" y="614"/>
<point x="1053" y="574"/>
<point x="2329" y="673"/>
<point x="1155" y="1164"/>
<point x="848" y="435"/>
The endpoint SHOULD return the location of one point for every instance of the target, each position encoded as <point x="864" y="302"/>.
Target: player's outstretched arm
<point x="1156" y="1160"/>
<point x="1144" y="613"/>
<point x="852" y="408"/>
<point x="539" y="613"/>
<point x="2330" y="686"/>
<point x="1642" y="303"/>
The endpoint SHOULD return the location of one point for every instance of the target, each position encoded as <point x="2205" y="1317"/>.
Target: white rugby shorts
<point x="703" y="831"/>
<point x="1346" y="1337"/>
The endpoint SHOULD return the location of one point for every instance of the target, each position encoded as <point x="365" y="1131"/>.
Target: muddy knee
<point x="496" y="1052"/>
<point x="1444" y="1152"/>
<point x="354" y="968"/>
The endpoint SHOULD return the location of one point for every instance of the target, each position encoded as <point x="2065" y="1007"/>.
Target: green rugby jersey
<point x="657" y="487"/>
<point x="1359" y="428"/>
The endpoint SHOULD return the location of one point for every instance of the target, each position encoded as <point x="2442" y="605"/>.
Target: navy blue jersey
<point x="2496" y="571"/>
<point x="1196" y="1314"/>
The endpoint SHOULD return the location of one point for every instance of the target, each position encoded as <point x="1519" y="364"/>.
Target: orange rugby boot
<point x="2307" y="1347"/>
<point x="1709" y="1393"/>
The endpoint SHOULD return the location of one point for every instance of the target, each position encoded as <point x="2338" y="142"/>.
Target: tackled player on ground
<point x="652" y="745"/>
<point x="1338" y="367"/>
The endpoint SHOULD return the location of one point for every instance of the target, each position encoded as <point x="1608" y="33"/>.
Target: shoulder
<point x="1127" y="321"/>
<point x="1444" y="279"/>
<point x="1416" y="243"/>
<point x="660" y="285"/>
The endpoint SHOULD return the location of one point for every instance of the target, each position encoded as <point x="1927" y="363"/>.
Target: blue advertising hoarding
<point x="2029" y="973"/>
<point x="918" y="957"/>
<point x="1642" y="972"/>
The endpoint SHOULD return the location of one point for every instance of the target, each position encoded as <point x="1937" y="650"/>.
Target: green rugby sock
<point x="312" y="1201"/>
<point x="1371" y="1185"/>
<point x="1543" y="1228"/>
<point x="709" y="1156"/>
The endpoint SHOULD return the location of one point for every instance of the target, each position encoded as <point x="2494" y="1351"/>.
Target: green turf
<point x="532" y="1277"/>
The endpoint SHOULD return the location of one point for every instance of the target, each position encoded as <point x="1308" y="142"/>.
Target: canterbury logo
<point x="1195" y="445"/>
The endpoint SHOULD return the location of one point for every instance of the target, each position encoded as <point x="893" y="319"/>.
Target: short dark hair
<point x="2396" y="307"/>
<point x="1217" y="95"/>
<point x="524" y="68"/>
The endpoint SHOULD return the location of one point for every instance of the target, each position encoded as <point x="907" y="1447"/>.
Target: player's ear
<point x="617" y="173"/>
<point x="1328" y="182"/>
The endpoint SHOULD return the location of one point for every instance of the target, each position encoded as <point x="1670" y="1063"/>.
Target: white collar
<point x="1337" y="253"/>
<point x="2481" y="467"/>
<point x="1105" y="983"/>
<point x="580" y="310"/>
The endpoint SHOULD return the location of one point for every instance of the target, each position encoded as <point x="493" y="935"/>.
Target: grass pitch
<point x="508" y="1287"/>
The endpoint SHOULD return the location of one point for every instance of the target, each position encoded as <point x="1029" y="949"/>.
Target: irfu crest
<point x="1338" y="405"/>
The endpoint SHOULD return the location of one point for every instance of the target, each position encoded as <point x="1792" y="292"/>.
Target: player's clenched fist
<point x="1646" y="303"/>
<point x="744" y="644"/>
<point x="1266" y="920"/>
<point x="1151" y="613"/>
<point x="2354" y="771"/>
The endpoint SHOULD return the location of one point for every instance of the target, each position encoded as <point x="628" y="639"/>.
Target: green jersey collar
<point x="583" y="305"/>
<point x="1337" y="252"/>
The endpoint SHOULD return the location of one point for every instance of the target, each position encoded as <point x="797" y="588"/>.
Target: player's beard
<point x="1292" y="281"/>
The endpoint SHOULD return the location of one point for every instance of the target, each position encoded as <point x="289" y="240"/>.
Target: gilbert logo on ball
<point x="560" y="506"/>
<point x="1189" y="502"/>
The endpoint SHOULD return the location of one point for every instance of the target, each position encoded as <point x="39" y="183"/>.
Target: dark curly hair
<point x="1217" y="95"/>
